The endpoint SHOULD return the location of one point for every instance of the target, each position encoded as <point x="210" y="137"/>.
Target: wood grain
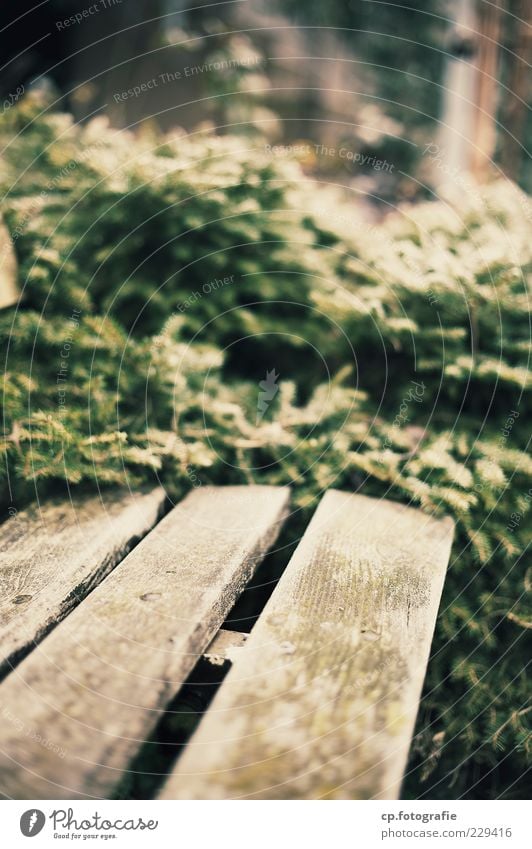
<point x="53" y="557"/>
<point x="80" y="705"/>
<point x="322" y="700"/>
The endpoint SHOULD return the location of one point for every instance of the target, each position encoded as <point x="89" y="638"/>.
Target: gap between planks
<point x="52" y="557"/>
<point x="225" y="646"/>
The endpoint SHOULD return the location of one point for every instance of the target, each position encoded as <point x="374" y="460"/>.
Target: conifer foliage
<point x="165" y="278"/>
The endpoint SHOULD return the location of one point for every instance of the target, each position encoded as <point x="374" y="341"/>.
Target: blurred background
<point x="388" y="98"/>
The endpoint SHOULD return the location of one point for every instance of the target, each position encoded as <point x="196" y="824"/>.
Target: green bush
<point x="179" y="270"/>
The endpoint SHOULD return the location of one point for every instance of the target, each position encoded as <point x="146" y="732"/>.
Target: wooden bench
<point x="99" y="631"/>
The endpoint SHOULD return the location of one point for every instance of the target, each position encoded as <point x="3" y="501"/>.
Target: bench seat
<point x="321" y="698"/>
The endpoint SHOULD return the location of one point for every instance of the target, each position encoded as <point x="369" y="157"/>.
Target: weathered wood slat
<point x="9" y="289"/>
<point x="322" y="700"/>
<point x="82" y="703"/>
<point x="52" y="557"/>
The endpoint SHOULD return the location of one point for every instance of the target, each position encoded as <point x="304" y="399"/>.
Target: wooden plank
<point x="79" y="706"/>
<point x="321" y="702"/>
<point x="225" y="646"/>
<point x="9" y="290"/>
<point x="53" y="557"/>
